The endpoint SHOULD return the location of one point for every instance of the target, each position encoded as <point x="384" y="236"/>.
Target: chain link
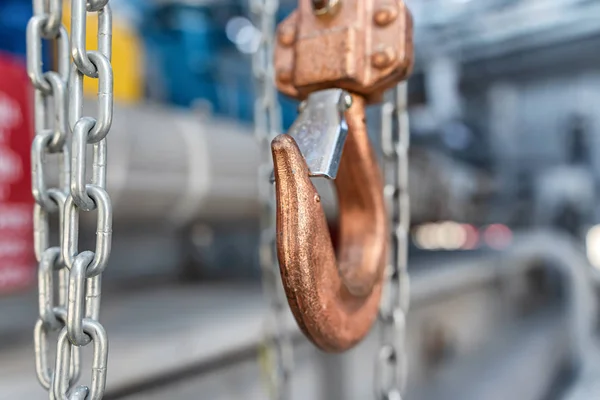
<point x="391" y="363"/>
<point x="52" y="11"/>
<point x="278" y="356"/>
<point x="74" y="314"/>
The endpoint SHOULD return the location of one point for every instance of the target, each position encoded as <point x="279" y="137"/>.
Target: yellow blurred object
<point x="127" y="53"/>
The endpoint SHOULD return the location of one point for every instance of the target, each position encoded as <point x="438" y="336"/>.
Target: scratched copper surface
<point x="334" y="297"/>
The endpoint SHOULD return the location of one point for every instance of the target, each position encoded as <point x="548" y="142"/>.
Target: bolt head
<point x="385" y="15"/>
<point x="383" y="58"/>
<point x="346" y="102"/>
<point x="286" y="36"/>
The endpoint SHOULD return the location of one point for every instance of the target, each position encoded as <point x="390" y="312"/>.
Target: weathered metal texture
<point x="364" y="47"/>
<point x="334" y="299"/>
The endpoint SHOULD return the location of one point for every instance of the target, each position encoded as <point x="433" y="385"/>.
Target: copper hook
<point x="333" y="298"/>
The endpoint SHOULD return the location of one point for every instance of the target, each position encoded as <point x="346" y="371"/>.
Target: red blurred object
<point x="498" y="236"/>
<point x="471" y="237"/>
<point x="17" y="263"/>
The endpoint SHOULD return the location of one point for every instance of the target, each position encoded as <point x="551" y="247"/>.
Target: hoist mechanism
<point x="338" y="57"/>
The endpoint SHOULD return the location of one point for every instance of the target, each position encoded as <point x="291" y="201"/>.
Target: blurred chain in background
<point x="391" y="364"/>
<point x="59" y="98"/>
<point x="277" y="357"/>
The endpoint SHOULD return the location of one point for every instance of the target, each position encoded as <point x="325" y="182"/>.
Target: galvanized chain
<point x="278" y="357"/>
<point x="75" y="314"/>
<point x="50" y="101"/>
<point x="86" y="267"/>
<point x="391" y="364"/>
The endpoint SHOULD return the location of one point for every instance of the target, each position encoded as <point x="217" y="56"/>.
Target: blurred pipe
<point x="557" y="250"/>
<point x="566" y="254"/>
<point x="174" y="167"/>
<point x="177" y="166"/>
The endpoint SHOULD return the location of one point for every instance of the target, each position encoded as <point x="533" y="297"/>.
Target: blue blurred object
<point x="181" y="45"/>
<point x="289" y="111"/>
<point x="237" y="94"/>
<point x="14" y="15"/>
<point x="191" y="58"/>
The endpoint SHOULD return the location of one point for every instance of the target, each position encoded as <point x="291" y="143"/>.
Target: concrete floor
<point x="199" y="342"/>
<point x="476" y="331"/>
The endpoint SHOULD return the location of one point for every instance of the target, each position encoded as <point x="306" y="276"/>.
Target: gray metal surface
<point x="521" y="363"/>
<point x="499" y="30"/>
<point x="320" y="131"/>
<point x="195" y="326"/>
<point x="566" y="254"/>
<point x="587" y="385"/>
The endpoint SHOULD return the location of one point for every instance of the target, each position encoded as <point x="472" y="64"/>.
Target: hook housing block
<point x="364" y="48"/>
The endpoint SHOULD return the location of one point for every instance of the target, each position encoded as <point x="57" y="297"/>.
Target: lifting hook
<point x="337" y="56"/>
<point x="334" y="298"/>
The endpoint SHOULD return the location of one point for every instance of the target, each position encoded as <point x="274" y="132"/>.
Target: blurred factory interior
<point x="504" y="106"/>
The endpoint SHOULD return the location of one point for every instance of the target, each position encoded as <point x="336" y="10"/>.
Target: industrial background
<point x="504" y="106"/>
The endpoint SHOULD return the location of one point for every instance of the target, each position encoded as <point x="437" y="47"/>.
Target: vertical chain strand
<point x="50" y="103"/>
<point x="278" y="355"/>
<point x="86" y="267"/>
<point x="391" y="363"/>
<point x="75" y="311"/>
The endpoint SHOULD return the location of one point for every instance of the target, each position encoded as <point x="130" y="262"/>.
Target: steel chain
<point x="267" y="118"/>
<point x="391" y="363"/>
<point x="50" y="103"/>
<point x="75" y="313"/>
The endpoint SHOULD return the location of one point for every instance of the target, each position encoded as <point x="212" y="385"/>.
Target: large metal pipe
<point x="177" y="166"/>
<point x="174" y="167"/>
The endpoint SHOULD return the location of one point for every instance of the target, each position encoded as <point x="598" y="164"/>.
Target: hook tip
<point x="287" y="156"/>
<point x="283" y="144"/>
